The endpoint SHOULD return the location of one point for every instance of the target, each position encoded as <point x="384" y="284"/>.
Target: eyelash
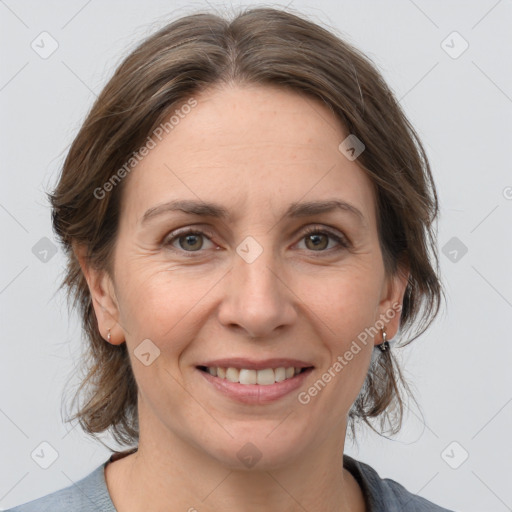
<point x="340" y="239"/>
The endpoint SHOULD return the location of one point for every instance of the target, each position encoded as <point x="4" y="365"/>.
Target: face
<point x="232" y="253"/>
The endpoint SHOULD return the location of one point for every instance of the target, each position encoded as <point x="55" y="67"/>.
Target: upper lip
<point x="252" y="364"/>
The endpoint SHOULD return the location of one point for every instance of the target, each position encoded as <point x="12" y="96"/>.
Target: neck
<point x="177" y="473"/>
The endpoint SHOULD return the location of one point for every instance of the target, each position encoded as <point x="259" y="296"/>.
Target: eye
<point x="187" y="240"/>
<point x="317" y="240"/>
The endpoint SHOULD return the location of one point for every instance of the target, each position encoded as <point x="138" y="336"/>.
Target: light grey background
<point x="462" y="109"/>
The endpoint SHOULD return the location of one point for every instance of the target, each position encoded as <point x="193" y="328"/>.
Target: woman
<point x="248" y="217"/>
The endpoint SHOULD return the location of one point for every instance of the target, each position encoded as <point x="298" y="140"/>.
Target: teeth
<point x="232" y="374"/>
<point x="248" y="377"/>
<point x="280" y="374"/>
<point x="264" y="377"/>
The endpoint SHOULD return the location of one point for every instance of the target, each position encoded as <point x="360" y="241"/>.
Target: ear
<point x="390" y="306"/>
<point x="103" y="298"/>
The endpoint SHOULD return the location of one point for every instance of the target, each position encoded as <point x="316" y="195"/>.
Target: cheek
<point x="157" y="301"/>
<point x="169" y="303"/>
<point x="345" y="300"/>
<point x="343" y="306"/>
<point x="156" y="298"/>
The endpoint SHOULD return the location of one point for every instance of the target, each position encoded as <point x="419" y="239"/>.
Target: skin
<point x="254" y="150"/>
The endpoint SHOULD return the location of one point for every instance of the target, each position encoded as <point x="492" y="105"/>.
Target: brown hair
<point x="258" y="46"/>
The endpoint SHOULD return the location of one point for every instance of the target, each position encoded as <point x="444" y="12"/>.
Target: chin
<point x="264" y="449"/>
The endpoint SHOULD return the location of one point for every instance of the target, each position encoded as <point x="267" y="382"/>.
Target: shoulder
<point x="88" y="494"/>
<point x="384" y="494"/>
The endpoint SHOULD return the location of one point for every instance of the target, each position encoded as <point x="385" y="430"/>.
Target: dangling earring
<point x="384" y="346"/>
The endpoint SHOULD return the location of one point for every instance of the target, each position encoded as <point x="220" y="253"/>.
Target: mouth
<point x="255" y="382"/>
<point x="248" y="376"/>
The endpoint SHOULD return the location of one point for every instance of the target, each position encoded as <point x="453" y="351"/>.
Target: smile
<point x="264" y="377"/>
<point x="254" y="385"/>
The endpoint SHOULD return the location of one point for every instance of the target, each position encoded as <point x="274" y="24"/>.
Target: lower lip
<point x="256" y="393"/>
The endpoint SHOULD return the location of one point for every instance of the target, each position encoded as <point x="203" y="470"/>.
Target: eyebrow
<point x="207" y="209"/>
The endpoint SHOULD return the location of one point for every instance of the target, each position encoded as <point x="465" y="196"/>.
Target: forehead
<point x="249" y="145"/>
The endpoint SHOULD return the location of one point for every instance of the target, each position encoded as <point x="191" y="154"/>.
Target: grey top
<point x="90" y="494"/>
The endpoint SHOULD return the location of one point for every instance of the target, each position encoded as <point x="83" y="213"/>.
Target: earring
<point x="384" y="346"/>
<point x="109" y="336"/>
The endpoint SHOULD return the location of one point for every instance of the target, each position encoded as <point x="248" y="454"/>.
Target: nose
<point x="257" y="299"/>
